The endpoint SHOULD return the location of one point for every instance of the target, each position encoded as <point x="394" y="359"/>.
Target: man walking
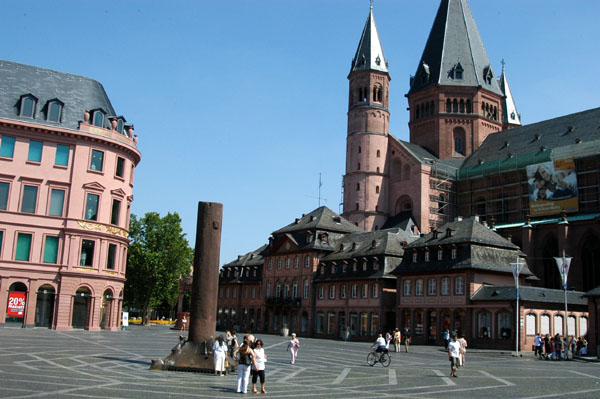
<point x="406" y="339"/>
<point x="454" y="355"/>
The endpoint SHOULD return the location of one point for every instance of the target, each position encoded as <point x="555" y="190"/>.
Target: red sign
<point x="16" y="304"/>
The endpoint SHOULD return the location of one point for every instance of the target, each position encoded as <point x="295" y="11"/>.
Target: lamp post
<point x="516" y="269"/>
<point x="564" y="263"/>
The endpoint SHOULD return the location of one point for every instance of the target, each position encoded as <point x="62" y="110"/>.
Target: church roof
<point x="571" y="136"/>
<point x="369" y="54"/>
<point x="448" y="167"/>
<point x="454" y="54"/>
<point x="529" y="294"/>
<point x="509" y="109"/>
<point x="77" y="93"/>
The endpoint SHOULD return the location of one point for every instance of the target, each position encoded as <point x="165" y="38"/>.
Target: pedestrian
<point x="407" y="339"/>
<point x="247" y="359"/>
<point x="547" y="347"/>
<point x="557" y="347"/>
<point x="259" y="372"/>
<point x="347" y="336"/>
<point x="293" y="347"/>
<point x="446" y="335"/>
<point x="463" y="349"/>
<point x="454" y="355"/>
<point x="388" y="338"/>
<point x="584" y="347"/>
<point x="565" y="345"/>
<point x="537" y="342"/>
<point x="220" y="353"/>
<point x="183" y="323"/>
<point x="251" y="339"/>
<point x="397" y="339"/>
<point x="233" y="345"/>
<point x="573" y="345"/>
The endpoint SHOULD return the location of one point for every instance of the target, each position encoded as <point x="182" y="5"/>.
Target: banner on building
<point x="552" y="187"/>
<point x="16" y="304"/>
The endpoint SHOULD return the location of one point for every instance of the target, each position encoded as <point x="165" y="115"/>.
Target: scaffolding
<point x="442" y="201"/>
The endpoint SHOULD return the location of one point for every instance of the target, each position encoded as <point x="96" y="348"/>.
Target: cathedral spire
<point x="510" y="116"/>
<point x="369" y="54"/>
<point x="454" y="54"/>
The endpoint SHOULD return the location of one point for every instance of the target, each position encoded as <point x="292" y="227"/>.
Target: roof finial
<point x="503" y="63"/>
<point x="371" y="6"/>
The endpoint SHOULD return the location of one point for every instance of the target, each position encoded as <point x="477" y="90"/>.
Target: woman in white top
<point x="261" y="359"/>
<point x="220" y="352"/>
<point x="293" y="347"/>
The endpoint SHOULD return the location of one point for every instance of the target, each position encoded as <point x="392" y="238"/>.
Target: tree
<point x="159" y="254"/>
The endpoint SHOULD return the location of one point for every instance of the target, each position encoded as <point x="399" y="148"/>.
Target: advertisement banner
<point x="16" y="304"/>
<point x="552" y="187"/>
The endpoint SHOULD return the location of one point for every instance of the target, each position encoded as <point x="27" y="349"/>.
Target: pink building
<point x="67" y="163"/>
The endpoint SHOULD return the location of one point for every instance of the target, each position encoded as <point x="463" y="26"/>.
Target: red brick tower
<point x="365" y="181"/>
<point x="454" y="98"/>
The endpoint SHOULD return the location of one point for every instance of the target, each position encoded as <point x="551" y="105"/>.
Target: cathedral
<point x="434" y="230"/>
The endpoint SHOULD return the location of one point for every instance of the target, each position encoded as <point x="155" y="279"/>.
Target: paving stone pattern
<point x="41" y="363"/>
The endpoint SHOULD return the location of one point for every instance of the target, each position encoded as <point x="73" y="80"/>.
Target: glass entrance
<point x="81" y="306"/>
<point x="44" y="306"/>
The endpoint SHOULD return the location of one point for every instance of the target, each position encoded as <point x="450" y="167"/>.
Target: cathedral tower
<point x="455" y="100"/>
<point x="365" y="181"/>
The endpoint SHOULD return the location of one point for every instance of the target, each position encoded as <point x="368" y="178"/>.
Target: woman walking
<point x="293" y="347"/>
<point x="247" y="359"/>
<point x="220" y="352"/>
<point x="259" y="372"/>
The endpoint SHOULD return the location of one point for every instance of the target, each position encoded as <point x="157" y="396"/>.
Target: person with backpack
<point x="246" y="361"/>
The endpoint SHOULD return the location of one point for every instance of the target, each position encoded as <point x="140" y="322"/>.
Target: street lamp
<point x="564" y="263"/>
<point x="516" y="269"/>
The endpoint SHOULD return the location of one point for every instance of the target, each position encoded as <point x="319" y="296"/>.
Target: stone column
<point x="206" y="272"/>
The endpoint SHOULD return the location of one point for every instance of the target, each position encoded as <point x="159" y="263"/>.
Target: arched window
<point x="376" y="189"/>
<point x="455" y="105"/>
<point x="462" y="106"/>
<point x="27" y="108"/>
<point x="545" y="324"/>
<point x="98" y="118"/>
<point x="358" y="168"/>
<point x="448" y="105"/>
<point x="504" y="325"/>
<point x="484" y="324"/>
<point x="459" y="140"/>
<point x="469" y="109"/>
<point x="558" y="324"/>
<point x="378" y="153"/>
<point x="357" y="186"/>
<point x="530" y="326"/>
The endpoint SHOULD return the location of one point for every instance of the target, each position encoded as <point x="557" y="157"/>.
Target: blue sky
<point x="244" y="102"/>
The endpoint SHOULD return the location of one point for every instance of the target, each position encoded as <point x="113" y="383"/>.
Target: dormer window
<point x="98" y="118"/>
<point x="54" y="110"/>
<point x="324" y="238"/>
<point x="488" y="75"/>
<point x="414" y="257"/>
<point x="373" y="244"/>
<point x="458" y="72"/>
<point x="453" y="253"/>
<point x="332" y="269"/>
<point x="440" y="254"/>
<point x="426" y="256"/>
<point x="27" y="106"/>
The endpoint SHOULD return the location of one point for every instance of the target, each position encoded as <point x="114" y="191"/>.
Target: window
<point x="330" y="323"/>
<point x="364" y="290"/>
<point x="120" y="125"/>
<point x="91" y="207"/>
<point x="287" y="263"/>
<point x="268" y="289"/>
<point x="374" y="323"/>
<point x="294" y="290"/>
<point x="87" y="252"/>
<point x="110" y="257"/>
<point x="57" y="200"/>
<point x="115" y="211"/>
<point x="306" y="261"/>
<point x="35" y="151"/>
<point x="483" y="325"/>
<point x="440" y="254"/>
<point x="279" y="263"/>
<point x="278" y="290"/>
<point x="97" y="160"/>
<point x="583" y="321"/>
<point x="286" y="290"/>
<point x="530" y="324"/>
<point x="269" y="264"/>
<point x="27" y="106"/>
<point x="54" y="111"/>
<point x="354" y="290"/>
<point x="375" y="290"/>
<point x="51" y="249"/>
<point x="321" y="292"/>
<point x="364" y="324"/>
<point x="432" y="287"/>
<point x="445" y="286"/>
<point x="545" y="324"/>
<point x="1" y="238"/>
<point x="29" y="200"/>
<point x="414" y="257"/>
<point x="459" y="285"/>
<point x="23" y="246"/>
<point x="4" y="187"/>
<point x="120" y="168"/>
<point x="305" y="290"/>
<point x="295" y="262"/>
<point x="62" y="155"/>
<point x="253" y="292"/>
<point x="332" y="292"/>
<point x="558" y="324"/>
<point x="234" y="292"/>
<point x="426" y="256"/>
<point x="7" y="147"/>
<point x="504" y="325"/>
<point x="319" y="322"/>
<point x="453" y="253"/>
<point x="419" y="287"/>
<point x="98" y="118"/>
<point x="343" y="291"/>
<point x="406" y="285"/>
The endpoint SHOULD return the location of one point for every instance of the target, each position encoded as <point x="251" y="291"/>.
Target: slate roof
<point x="454" y="39"/>
<point x="369" y="54"/>
<point x="321" y="218"/>
<point x="477" y="247"/>
<point x="529" y="294"/>
<point x="77" y="93"/>
<point x="245" y="266"/>
<point x="593" y="292"/>
<point x="403" y="220"/>
<point x="576" y="135"/>
<point x="448" y="167"/>
<point x="509" y="108"/>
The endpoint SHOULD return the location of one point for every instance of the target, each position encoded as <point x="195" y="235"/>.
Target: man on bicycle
<point x="381" y="344"/>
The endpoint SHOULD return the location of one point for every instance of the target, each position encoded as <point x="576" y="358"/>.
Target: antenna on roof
<point x="319" y="197"/>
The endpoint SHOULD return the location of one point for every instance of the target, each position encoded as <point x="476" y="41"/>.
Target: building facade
<point x="67" y="163"/>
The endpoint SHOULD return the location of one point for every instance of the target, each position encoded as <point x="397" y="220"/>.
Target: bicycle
<point x="382" y="357"/>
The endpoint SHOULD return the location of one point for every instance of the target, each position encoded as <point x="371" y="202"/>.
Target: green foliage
<point x="159" y="254"/>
